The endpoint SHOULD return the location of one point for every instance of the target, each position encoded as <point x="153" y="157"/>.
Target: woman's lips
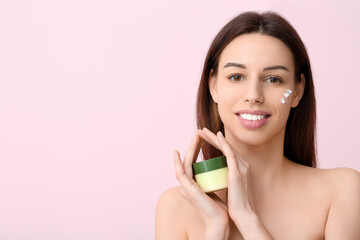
<point x="256" y="112"/>
<point x="252" y="119"/>
<point x="252" y="123"/>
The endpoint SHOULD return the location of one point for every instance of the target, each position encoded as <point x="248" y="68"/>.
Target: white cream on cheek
<point x="286" y="95"/>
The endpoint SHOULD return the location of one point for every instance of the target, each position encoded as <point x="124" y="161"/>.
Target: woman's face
<point x="254" y="73"/>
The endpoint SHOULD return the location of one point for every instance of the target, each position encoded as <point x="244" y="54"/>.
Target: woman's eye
<point x="274" y="80"/>
<point x="235" y="77"/>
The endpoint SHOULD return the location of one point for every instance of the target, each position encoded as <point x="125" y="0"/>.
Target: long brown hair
<point x="299" y="144"/>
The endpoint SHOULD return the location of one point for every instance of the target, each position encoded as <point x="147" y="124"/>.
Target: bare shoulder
<point x="342" y="179"/>
<point x="334" y="179"/>
<point x="337" y="182"/>
<point x="338" y="191"/>
<point x="344" y="214"/>
<point x="170" y="197"/>
<point x="171" y="213"/>
<point x="344" y="184"/>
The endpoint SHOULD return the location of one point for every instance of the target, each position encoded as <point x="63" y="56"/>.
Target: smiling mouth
<point x="253" y="117"/>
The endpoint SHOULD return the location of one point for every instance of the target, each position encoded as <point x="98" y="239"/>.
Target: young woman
<point x="256" y="106"/>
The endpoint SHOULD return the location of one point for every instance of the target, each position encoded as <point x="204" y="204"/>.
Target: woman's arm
<point x="344" y="215"/>
<point x="171" y="215"/>
<point x="240" y="204"/>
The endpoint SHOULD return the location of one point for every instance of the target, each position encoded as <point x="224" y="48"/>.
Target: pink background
<point x="95" y="95"/>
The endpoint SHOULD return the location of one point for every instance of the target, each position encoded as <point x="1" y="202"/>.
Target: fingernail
<point x="219" y="133"/>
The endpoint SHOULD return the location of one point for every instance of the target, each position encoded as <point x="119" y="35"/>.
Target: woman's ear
<point x="212" y="85"/>
<point x="299" y="91"/>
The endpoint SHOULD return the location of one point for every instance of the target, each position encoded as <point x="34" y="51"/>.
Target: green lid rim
<point x="209" y="165"/>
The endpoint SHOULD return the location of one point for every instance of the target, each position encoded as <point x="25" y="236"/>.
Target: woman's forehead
<point x="256" y="50"/>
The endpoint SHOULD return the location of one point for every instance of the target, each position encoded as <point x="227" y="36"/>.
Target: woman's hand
<point x="210" y="208"/>
<point x="239" y="200"/>
<point x="239" y="203"/>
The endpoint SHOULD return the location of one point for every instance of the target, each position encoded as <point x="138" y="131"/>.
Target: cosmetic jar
<point x="211" y="175"/>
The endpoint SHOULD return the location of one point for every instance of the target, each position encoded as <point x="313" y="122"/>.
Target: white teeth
<point x="252" y="117"/>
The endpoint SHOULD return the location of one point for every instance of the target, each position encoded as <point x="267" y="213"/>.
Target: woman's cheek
<point x="224" y="110"/>
<point x="227" y="104"/>
<point x="285" y="98"/>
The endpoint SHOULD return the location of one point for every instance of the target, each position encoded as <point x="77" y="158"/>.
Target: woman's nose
<point x="253" y="92"/>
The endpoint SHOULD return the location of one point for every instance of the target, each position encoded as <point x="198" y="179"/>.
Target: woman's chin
<point x="253" y="142"/>
<point x="253" y="138"/>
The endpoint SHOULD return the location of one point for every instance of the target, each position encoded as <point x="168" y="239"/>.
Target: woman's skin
<point x="268" y="196"/>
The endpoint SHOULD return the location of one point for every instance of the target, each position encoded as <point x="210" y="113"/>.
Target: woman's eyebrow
<point x="276" y="67"/>
<point x="240" y="65"/>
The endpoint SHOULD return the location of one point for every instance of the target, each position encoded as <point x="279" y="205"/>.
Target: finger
<point x="188" y="183"/>
<point x="205" y="205"/>
<point x="210" y="137"/>
<point x="191" y="155"/>
<point x="228" y="152"/>
<point x="213" y="139"/>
